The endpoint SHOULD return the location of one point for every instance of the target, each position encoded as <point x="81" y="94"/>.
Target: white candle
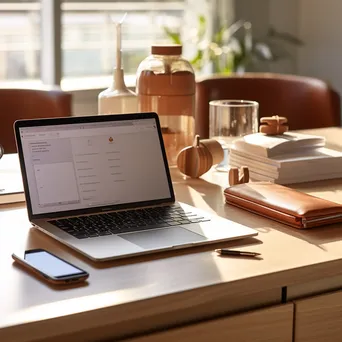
<point x="118" y="42"/>
<point x="118" y="45"/>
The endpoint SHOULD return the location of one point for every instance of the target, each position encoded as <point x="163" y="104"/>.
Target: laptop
<point x="101" y="185"/>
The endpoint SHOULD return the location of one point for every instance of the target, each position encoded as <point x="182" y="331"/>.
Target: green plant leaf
<point x="235" y="48"/>
<point x="175" y="37"/>
<point x="218" y="36"/>
<point x="202" y="27"/>
<point x="201" y="19"/>
<point x="197" y="61"/>
<point x="229" y="64"/>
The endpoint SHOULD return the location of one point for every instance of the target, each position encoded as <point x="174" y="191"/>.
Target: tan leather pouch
<point x="284" y="204"/>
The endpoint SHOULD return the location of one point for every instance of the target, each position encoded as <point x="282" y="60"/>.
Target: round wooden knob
<point x="194" y="160"/>
<point x="273" y="125"/>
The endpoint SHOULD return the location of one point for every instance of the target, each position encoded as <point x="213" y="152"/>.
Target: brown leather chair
<point x="306" y="102"/>
<point x="29" y="104"/>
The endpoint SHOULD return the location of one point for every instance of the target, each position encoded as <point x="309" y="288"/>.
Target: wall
<point x="255" y="11"/>
<point x="279" y="14"/>
<point x="317" y="22"/>
<point x="320" y="26"/>
<point x="283" y="16"/>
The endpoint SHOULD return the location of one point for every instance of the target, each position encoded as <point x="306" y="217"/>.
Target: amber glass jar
<point x="166" y="85"/>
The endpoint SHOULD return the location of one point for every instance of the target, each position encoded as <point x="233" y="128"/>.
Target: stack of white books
<point x="285" y="159"/>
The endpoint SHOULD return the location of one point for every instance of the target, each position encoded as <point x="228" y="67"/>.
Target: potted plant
<point x="234" y="49"/>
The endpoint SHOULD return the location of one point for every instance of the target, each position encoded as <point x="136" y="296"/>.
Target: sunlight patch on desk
<point x="199" y="201"/>
<point x="72" y="306"/>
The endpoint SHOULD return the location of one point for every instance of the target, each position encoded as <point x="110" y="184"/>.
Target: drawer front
<point x="319" y="318"/>
<point x="265" y="325"/>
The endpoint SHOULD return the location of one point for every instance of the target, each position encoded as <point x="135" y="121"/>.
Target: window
<point x="19" y="40"/>
<point x="88" y="35"/>
<point x="63" y="42"/>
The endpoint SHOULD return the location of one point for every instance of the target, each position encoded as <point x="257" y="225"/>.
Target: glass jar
<point x="166" y="85"/>
<point x="229" y="120"/>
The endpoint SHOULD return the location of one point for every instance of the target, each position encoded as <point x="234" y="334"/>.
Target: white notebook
<point x="255" y="176"/>
<point x="319" y="164"/>
<point x="273" y="145"/>
<point x="320" y="157"/>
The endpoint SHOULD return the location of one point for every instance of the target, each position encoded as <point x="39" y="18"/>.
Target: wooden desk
<point x="133" y="297"/>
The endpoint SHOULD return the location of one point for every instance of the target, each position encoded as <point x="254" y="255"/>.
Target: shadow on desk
<point x="326" y="189"/>
<point x="37" y="239"/>
<point x="49" y="285"/>
<point x="212" y="195"/>
<point x="318" y="236"/>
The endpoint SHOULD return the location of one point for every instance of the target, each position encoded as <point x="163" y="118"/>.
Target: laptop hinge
<point x="105" y="211"/>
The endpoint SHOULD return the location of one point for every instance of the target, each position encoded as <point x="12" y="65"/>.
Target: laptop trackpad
<point x="159" y="238"/>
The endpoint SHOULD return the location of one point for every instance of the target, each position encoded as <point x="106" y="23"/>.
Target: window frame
<point x="51" y="47"/>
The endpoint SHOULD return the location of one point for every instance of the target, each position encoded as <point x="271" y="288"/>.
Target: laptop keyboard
<point x="91" y="226"/>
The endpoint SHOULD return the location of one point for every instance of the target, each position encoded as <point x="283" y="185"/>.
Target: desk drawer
<point x="265" y="325"/>
<point x="319" y="318"/>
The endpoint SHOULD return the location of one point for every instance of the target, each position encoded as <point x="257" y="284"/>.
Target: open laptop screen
<point x="75" y="166"/>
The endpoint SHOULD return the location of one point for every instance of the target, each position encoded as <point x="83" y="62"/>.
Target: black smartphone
<point x="50" y="267"/>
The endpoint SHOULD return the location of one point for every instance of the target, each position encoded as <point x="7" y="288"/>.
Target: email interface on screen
<point x="78" y="166"/>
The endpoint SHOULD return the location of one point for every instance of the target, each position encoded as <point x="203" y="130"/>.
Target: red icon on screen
<point x="110" y="139"/>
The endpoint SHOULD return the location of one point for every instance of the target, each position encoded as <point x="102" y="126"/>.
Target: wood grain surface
<point x="142" y="294"/>
<point x="266" y="325"/>
<point x="319" y="318"/>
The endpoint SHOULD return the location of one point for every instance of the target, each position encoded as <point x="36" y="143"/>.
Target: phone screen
<point x="51" y="265"/>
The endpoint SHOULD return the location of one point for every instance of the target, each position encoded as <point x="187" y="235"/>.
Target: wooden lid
<point x="170" y="50"/>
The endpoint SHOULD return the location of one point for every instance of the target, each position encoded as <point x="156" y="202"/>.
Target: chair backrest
<point x="306" y="102"/>
<point x="18" y="104"/>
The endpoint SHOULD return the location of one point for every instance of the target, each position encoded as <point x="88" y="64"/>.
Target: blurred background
<point x="71" y="44"/>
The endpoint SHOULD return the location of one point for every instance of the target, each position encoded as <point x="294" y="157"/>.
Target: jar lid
<point x="171" y="50"/>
